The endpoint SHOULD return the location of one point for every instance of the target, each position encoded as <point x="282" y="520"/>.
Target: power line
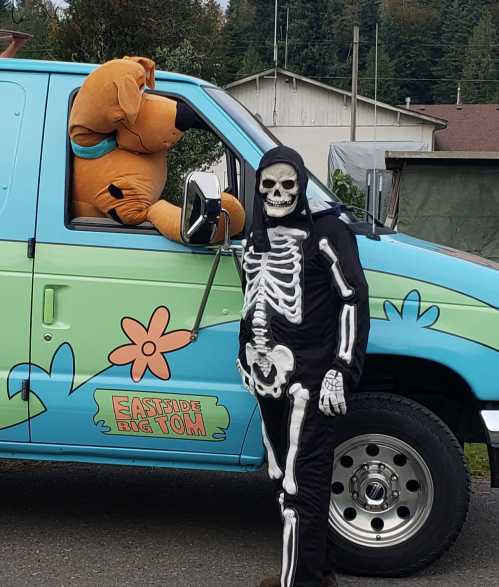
<point x="370" y="78"/>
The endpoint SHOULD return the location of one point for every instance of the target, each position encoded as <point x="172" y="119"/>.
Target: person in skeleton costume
<point x="303" y="338"/>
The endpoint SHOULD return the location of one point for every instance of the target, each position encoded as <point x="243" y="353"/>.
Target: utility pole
<point x="274" y="113"/>
<point x="355" y="81"/>
<point x="286" y="50"/>
<point x="275" y="35"/>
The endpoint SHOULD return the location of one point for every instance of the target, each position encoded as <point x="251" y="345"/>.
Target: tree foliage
<point x="343" y="186"/>
<point x="457" y="19"/>
<point x="480" y="62"/>
<point x="423" y="43"/>
<point x="39" y="18"/>
<point x="98" y="30"/>
<point x="408" y="35"/>
<point x="197" y="150"/>
<point x="426" y="47"/>
<point x="388" y="88"/>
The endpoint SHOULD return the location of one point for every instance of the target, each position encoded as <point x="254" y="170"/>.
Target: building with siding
<point x="309" y="115"/>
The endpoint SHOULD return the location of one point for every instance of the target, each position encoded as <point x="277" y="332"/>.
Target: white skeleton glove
<point x="332" y="395"/>
<point x="246" y="378"/>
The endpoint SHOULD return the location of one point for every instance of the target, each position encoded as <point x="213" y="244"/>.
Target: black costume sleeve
<point x="244" y="337"/>
<point x="341" y="254"/>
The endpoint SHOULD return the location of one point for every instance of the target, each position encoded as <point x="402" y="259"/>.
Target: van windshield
<point x="264" y="139"/>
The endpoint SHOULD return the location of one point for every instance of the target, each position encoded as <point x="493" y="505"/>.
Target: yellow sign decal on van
<point x="163" y="415"/>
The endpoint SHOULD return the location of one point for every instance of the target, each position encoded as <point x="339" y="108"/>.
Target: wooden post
<point x="355" y="81"/>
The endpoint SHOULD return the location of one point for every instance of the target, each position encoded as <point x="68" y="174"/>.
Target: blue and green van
<point x="97" y="365"/>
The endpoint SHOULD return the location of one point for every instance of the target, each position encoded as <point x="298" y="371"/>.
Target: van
<point x="98" y="363"/>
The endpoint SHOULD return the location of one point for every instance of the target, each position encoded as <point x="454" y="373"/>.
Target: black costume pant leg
<point x="301" y="439"/>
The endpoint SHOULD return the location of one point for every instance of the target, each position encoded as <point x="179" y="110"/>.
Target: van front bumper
<point x="490" y="420"/>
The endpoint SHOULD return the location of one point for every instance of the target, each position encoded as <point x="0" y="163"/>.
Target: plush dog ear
<point x="129" y="98"/>
<point x="149" y="66"/>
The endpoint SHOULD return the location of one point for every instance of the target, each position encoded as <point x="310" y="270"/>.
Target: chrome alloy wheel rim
<point x="382" y="490"/>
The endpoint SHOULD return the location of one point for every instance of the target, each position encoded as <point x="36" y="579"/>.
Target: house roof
<point x="428" y="118"/>
<point x="397" y="159"/>
<point x="471" y="127"/>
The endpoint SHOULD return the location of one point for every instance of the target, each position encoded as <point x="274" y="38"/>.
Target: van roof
<point x="83" y="69"/>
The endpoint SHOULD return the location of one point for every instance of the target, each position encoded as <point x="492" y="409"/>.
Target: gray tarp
<point x="360" y="157"/>
<point x="457" y="206"/>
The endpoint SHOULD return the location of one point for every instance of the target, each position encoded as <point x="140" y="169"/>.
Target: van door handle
<point x="48" y="305"/>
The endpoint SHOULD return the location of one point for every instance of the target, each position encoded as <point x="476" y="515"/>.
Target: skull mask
<point x="279" y="189"/>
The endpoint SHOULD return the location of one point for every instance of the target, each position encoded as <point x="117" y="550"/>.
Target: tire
<point x="381" y="438"/>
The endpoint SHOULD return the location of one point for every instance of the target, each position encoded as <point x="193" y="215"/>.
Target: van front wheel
<point x="400" y="490"/>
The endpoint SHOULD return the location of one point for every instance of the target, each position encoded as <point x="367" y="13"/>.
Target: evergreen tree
<point x="312" y="44"/>
<point x="4" y="14"/>
<point x="457" y="19"/>
<point x="251" y="63"/>
<point x="479" y="63"/>
<point x="263" y="37"/>
<point x="98" y="30"/>
<point x="198" y="149"/>
<point x="408" y="35"/>
<point x="344" y="15"/>
<point x="388" y="89"/>
<point x="238" y="34"/>
<point x="369" y="16"/>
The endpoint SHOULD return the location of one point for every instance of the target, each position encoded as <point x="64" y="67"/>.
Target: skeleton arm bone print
<point x="339" y="250"/>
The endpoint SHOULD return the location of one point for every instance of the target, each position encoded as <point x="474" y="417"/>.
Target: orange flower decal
<point x="149" y="344"/>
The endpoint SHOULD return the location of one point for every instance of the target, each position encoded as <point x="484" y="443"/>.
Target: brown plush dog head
<point x="154" y="128"/>
<point x="111" y="94"/>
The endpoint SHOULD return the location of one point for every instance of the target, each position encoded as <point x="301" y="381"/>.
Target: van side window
<point x="198" y="150"/>
<point x="12" y="98"/>
<point x="22" y="100"/>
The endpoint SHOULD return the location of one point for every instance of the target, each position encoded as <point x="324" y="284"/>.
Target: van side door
<point x="105" y="299"/>
<point x="22" y="99"/>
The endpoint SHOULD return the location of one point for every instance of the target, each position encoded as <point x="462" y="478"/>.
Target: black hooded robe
<point x="322" y="318"/>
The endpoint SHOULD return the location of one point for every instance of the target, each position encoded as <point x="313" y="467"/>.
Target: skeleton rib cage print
<point x="273" y="284"/>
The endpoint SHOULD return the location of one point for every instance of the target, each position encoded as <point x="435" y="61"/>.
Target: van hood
<point x="408" y="257"/>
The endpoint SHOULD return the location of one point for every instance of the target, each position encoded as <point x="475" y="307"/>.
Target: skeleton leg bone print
<point x="273" y="467"/>
<point x="300" y="397"/>
<point x="290" y="518"/>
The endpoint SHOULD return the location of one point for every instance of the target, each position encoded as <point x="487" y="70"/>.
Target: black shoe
<point x="275" y="581"/>
<point x="330" y="581"/>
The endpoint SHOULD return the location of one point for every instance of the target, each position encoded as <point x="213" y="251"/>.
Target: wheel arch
<point x="430" y="383"/>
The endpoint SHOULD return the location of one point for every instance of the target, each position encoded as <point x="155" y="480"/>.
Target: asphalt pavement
<point x="80" y="525"/>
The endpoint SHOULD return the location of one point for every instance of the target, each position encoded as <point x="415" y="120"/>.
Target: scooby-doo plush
<point x="122" y="175"/>
<point x="110" y="95"/>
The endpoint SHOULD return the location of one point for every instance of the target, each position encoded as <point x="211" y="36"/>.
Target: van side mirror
<point x="201" y="208"/>
<point x="201" y="212"/>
